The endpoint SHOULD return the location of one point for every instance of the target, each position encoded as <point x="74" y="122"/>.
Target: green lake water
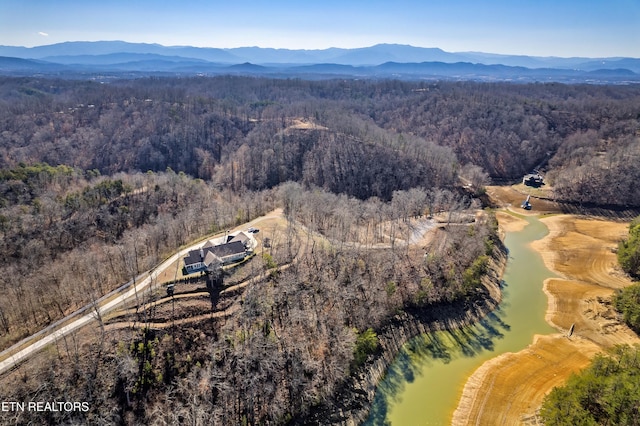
<point x="424" y="383"/>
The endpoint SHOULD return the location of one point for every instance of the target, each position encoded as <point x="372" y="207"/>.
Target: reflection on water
<point x="423" y="384"/>
<point x="420" y="356"/>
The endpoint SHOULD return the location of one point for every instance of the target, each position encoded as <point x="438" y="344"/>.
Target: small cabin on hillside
<point x="533" y="179"/>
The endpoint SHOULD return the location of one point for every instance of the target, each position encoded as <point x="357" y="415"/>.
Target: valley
<point x="377" y="223"/>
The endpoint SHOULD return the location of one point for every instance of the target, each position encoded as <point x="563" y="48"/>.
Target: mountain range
<point x="118" y="58"/>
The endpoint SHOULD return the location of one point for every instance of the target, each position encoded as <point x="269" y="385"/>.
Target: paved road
<point x="57" y="331"/>
<point x="88" y="314"/>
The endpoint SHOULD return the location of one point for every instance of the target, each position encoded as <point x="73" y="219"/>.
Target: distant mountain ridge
<point x="381" y="60"/>
<point x="373" y="55"/>
<point x="116" y="58"/>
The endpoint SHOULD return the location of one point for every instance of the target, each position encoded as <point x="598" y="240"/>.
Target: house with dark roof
<point x="533" y="179"/>
<point x="212" y="256"/>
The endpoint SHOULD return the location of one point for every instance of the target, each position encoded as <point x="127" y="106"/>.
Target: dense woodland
<point x="606" y="393"/>
<point x="629" y="250"/>
<point x="293" y="341"/>
<point x="362" y="138"/>
<point x="100" y="182"/>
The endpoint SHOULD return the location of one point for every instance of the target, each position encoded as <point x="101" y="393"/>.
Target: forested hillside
<point x="294" y="337"/>
<point x="94" y="233"/>
<point x="100" y="182"/>
<point x="256" y="133"/>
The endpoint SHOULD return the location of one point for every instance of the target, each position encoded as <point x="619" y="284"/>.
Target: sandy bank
<point x="583" y="249"/>
<point x="510" y="388"/>
<point x="508" y="222"/>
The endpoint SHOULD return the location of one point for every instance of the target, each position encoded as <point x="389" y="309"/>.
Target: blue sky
<point x="593" y="28"/>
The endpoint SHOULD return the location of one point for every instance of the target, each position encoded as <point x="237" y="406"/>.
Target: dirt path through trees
<point x="22" y="350"/>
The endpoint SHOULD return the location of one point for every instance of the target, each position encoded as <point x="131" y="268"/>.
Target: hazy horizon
<point x="547" y="28"/>
<point x="320" y="49"/>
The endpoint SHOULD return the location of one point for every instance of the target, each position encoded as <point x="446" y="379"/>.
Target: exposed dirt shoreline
<point x="509" y="389"/>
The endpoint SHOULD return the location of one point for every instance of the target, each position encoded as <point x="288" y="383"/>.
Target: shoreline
<point x="352" y="402"/>
<point x="576" y="296"/>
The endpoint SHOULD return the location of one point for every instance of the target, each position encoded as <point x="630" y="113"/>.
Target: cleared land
<point x="143" y="291"/>
<point x="511" y="197"/>
<point x="510" y="388"/>
<point x="191" y="299"/>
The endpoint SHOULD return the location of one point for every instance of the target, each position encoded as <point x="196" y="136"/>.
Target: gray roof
<point x="193" y="257"/>
<point x="221" y="251"/>
<point x="224" y="250"/>
<point x="242" y="237"/>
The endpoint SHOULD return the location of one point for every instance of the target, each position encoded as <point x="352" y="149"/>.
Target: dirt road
<point x="30" y="345"/>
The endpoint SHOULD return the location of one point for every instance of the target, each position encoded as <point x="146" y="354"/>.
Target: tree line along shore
<point x="101" y="182"/>
<point x="581" y="251"/>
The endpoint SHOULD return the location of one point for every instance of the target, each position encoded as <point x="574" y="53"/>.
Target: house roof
<point x="229" y="249"/>
<point x="241" y="236"/>
<point x="221" y="251"/>
<point x="193" y="257"/>
<point x="211" y="258"/>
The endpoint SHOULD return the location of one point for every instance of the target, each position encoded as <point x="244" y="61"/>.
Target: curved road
<point x="14" y="355"/>
<point x="57" y="330"/>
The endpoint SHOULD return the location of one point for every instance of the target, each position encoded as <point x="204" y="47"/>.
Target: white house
<point x="215" y="253"/>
